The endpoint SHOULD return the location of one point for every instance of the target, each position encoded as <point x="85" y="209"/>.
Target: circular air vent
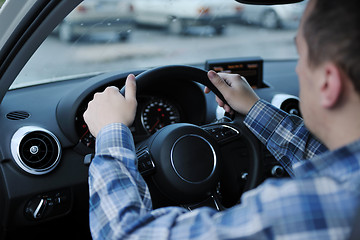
<point x="291" y="106"/>
<point x="288" y="103"/>
<point x="35" y="150"/>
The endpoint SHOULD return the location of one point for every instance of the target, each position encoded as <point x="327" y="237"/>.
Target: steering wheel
<point x="190" y="165"/>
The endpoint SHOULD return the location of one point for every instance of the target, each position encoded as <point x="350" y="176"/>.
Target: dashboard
<point x="169" y="103"/>
<point x="52" y="114"/>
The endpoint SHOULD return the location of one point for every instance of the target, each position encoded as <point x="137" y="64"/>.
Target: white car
<point x="93" y="16"/>
<point x="274" y="16"/>
<point x="180" y="15"/>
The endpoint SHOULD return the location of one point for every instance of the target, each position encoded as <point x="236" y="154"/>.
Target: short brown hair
<point x="332" y="33"/>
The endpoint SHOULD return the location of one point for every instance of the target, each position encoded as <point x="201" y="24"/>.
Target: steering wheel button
<point x="213" y="130"/>
<point x="145" y="164"/>
<point x="230" y="132"/>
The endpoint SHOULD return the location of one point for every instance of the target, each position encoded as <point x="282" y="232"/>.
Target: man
<point x="319" y="202"/>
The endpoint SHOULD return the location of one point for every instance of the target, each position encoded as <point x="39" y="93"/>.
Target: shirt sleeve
<point x="114" y="182"/>
<point x="284" y="135"/>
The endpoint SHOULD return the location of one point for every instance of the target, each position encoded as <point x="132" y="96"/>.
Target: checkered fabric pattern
<point x="318" y="202"/>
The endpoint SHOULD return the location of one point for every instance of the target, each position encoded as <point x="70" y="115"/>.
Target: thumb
<point x="218" y="82"/>
<point x="130" y="87"/>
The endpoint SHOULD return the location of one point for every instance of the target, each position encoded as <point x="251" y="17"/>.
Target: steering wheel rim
<point x="198" y="75"/>
<point x="188" y="73"/>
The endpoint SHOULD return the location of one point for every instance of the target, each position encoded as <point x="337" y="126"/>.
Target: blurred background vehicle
<point x="94" y="16"/>
<point x="181" y="16"/>
<point x="273" y="16"/>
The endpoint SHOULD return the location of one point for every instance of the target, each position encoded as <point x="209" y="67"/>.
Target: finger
<point x="218" y="82"/>
<point x="130" y="87"/>
<point x="111" y="89"/>
<point x="219" y="101"/>
<point x="96" y="95"/>
<point x="207" y="90"/>
<point x="227" y="108"/>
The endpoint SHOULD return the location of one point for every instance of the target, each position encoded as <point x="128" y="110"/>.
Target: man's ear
<point x="332" y="85"/>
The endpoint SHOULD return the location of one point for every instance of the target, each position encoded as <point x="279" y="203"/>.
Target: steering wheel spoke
<point x="146" y="165"/>
<point x="212" y="201"/>
<point x="222" y="132"/>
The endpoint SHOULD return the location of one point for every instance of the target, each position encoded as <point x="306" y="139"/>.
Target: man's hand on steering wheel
<point x="236" y="91"/>
<point x="110" y="106"/>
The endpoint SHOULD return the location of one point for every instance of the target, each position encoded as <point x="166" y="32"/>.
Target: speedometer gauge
<point x="159" y="113"/>
<point x="82" y="129"/>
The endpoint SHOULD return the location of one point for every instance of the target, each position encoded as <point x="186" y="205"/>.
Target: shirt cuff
<point x="263" y="118"/>
<point x="114" y="135"/>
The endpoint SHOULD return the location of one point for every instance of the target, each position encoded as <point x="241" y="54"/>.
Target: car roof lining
<point x="268" y="2"/>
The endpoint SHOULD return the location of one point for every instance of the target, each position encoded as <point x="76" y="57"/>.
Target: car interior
<point x="46" y="147"/>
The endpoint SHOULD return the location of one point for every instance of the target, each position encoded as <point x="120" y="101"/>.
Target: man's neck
<point x="343" y="127"/>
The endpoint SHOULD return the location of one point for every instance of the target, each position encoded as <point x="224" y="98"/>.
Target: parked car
<point x="274" y="16"/>
<point x="96" y="16"/>
<point x="178" y="16"/>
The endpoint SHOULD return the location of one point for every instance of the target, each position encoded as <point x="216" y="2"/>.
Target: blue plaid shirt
<point x="318" y="202"/>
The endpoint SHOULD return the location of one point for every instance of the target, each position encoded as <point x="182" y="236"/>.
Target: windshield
<point x="107" y="35"/>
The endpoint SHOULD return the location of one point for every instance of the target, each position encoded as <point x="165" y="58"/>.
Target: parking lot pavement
<point x="154" y="47"/>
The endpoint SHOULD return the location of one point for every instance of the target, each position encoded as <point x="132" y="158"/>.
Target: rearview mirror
<point x="268" y="2"/>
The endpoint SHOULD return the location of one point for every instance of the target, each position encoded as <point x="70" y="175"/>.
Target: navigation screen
<point x="250" y="68"/>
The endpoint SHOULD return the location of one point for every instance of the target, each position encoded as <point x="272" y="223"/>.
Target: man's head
<point x="332" y="32"/>
<point x="329" y="55"/>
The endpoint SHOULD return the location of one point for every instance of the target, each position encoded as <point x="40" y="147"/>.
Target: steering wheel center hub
<point x="186" y="161"/>
<point x="193" y="158"/>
